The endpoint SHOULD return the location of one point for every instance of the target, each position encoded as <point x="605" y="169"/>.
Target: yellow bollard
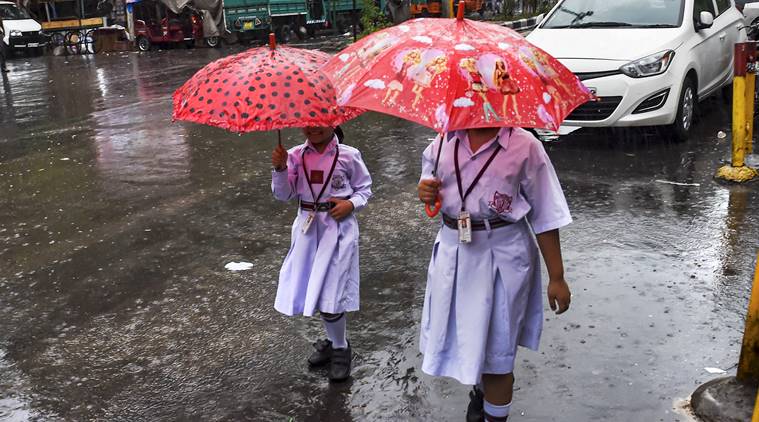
<point x="755" y="418"/>
<point x="748" y="365"/>
<point x="740" y="125"/>
<point x="744" y="83"/>
<point x="748" y="144"/>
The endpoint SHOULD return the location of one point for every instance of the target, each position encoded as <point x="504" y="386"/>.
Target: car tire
<point x="752" y="31"/>
<point x="301" y="33"/>
<point x="143" y="44"/>
<point x="686" y="111"/>
<point x="285" y="34"/>
<point x="212" y="42"/>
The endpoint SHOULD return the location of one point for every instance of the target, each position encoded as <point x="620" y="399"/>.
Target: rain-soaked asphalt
<point x="115" y="226"/>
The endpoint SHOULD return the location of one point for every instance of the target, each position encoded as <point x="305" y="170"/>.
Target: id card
<point x="307" y="223"/>
<point x="465" y="227"/>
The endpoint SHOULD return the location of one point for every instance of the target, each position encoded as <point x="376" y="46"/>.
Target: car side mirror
<point x="705" y="20"/>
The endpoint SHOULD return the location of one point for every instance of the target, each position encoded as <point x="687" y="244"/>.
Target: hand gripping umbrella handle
<point x="433" y="210"/>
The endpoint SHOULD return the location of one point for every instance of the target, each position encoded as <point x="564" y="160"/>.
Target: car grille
<point x="584" y="76"/>
<point x="600" y="109"/>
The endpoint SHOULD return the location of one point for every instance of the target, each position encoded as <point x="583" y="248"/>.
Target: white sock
<point x="336" y="331"/>
<point x="495" y="411"/>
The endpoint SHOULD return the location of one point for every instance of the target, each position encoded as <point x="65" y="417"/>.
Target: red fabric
<point x="262" y="89"/>
<point x="448" y="74"/>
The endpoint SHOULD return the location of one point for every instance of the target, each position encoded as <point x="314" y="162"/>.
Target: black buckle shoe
<point x="476" y="410"/>
<point x="323" y="353"/>
<point x="340" y="368"/>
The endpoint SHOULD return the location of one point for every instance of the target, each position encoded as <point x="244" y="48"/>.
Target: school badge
<point x="501" y="203"/>
<point x="338" y="182"/>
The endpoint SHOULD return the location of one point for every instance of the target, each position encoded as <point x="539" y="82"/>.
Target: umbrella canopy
<point x="451" y="74"/>
<point x="264" y="88"/>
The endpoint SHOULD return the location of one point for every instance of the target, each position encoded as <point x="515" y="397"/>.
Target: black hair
<point x="340" y="134"/>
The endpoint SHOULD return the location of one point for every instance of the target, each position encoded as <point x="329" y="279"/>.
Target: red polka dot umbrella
<point x="264" y="88"/>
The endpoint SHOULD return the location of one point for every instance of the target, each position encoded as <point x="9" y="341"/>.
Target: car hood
<point x="616" y="44"/>
<point x="23" y="25"/>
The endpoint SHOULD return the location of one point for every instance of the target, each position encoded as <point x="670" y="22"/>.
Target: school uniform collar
<point x="330" y="147"/>
<point x="504" y="136"/>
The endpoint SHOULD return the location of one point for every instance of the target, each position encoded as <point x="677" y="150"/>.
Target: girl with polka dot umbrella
<point x="279" y="87"/>
<point x="264" y="88"/>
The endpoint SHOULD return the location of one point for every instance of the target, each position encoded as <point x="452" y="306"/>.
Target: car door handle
<point x="722" y="37"/>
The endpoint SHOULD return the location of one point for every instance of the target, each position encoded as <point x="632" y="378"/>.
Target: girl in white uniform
<point x="483" y="296"/>
<point x="320" y="273"/>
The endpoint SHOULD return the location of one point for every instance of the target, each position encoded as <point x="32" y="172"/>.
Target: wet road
<point x="115" y="226"/>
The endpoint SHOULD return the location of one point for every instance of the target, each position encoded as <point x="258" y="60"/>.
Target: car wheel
<point x="686" y="111"/>
<point x="301" y="33"/>
<point x="212" y="42"/>
<point x="753" y="30"/>
<point x="143" y="43"/>
<point x="285" y="34"/>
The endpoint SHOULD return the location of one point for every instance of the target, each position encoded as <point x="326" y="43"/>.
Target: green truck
<point x="254" y="19"/>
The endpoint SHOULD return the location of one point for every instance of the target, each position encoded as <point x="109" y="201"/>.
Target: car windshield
<point x="11" y="12"/>
<point x="616" y="14"/>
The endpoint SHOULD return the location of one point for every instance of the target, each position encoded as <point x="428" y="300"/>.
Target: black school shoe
<point x="340" y="368"/>
<point x="322" y="355"/>
<point x="476" y="410"/>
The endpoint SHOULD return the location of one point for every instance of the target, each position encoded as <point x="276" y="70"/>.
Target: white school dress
<point x="484" y="298"/>
<point x="320" y="272"/>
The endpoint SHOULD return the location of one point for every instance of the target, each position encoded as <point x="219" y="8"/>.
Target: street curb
<point x="526" y="23"/>
<point x="724" y="400"/>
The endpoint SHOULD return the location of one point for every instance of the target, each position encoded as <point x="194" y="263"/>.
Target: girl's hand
<point x="342" y="208"/>
<point x="559" y="296"/>
<point x="429" y="189"/>
<point x="279" y="158"/>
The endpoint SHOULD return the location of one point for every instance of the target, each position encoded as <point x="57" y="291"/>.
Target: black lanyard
<point x="326" y="181"/>
<point x="463" y="195"/>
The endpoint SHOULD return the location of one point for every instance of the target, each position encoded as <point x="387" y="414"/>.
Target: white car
<point x="750" y="9"/>
<point x="21" y="31"/>
<point x="648" y="61"/>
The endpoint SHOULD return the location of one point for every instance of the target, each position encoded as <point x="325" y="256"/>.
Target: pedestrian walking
<point x="483" y="295"/>
<point x="320" y="272"/>
<point x="3" y="48"/>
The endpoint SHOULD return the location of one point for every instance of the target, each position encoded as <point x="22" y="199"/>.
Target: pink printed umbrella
<point x="264" y="88"/>
<point x="451" y="74"/>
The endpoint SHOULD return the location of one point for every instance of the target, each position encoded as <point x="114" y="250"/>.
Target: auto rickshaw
<point x="156" y="24"/>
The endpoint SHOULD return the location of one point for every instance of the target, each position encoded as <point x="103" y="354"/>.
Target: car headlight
<point x="652" y="65"/>
<point x="15" y="33"/>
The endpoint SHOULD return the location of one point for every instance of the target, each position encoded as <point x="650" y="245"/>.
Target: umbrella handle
<point x="433" y="210"/>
